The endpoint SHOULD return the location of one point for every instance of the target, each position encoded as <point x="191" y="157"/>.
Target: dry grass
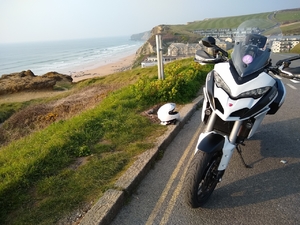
<point x="26" y="80"/>
<point x="39" y="116"/>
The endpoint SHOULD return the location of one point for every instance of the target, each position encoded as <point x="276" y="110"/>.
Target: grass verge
<point x="71" y="163"/>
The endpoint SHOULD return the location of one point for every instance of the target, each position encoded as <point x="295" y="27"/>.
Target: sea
<point x="67" y="56"/>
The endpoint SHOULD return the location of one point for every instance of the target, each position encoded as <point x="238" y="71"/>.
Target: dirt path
<point x="289" y="24"/>
<point x="26" y="96"/>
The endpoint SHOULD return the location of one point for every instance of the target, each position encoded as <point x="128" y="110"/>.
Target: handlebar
<point x="202" y="56"/>
<point x="210" y="61"/>
<point x="280" y="62"/>
<point x="274" y="70"/>
<point x="284" y="70"/>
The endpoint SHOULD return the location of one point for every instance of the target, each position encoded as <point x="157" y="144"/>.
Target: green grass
<point x="292" y="29"/>
<point x="226" y="22"/>
<point x="7" y="109"/>
<point x="284" y="16"/>
<point x="234" y="21"/>
<point x="296" y="49"/>
<point x="40" y="181"/>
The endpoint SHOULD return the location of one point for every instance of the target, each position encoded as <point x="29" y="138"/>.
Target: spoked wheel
<point x="201" y="178"/>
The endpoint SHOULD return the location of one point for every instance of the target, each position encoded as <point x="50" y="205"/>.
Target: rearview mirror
<point x="209" y="42"/>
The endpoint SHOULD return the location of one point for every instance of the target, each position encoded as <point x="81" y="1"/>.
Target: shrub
<point x="183" y="80"/>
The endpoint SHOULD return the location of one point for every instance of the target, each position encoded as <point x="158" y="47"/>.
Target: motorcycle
<point x="238" y="94"/>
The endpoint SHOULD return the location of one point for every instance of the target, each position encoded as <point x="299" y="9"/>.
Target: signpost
<point x="160" y="64"/>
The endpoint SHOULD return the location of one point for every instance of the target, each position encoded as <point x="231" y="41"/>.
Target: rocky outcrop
<point x="146" y="49"/>
<point x="26" y="80"/>
<point x="169" y="36"/>
<point x="141" y="36"/>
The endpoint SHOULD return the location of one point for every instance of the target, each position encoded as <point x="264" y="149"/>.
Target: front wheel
<point x="201" y="178"/>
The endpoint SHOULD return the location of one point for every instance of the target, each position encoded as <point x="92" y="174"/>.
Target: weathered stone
<point x="27" y="81"/>
<point x="104" y="211"/>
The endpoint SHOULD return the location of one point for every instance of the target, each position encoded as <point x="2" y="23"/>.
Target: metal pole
<point x="160" y="64"/>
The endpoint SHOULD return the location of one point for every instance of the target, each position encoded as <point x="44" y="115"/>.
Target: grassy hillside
<point x="282" y="17"/>
<point x="291" y="29"/>
<point x="288" y="16"/>
<point x="56" y="170"/>
<point x="227" y="22"/>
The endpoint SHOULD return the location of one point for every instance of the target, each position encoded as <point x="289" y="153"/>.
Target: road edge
<point x="109" y="205"/>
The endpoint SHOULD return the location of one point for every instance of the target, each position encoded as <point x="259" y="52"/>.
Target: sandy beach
<point x="106" y="69"/>
<point x="111" y="67"/>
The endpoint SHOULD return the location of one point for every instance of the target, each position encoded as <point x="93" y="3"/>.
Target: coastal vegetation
<point x="51" y="171"/>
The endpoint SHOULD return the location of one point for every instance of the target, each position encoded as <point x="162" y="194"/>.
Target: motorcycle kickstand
<point x="239" y="150"/>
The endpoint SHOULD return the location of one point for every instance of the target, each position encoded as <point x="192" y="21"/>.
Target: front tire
<point x="202" y="178"/>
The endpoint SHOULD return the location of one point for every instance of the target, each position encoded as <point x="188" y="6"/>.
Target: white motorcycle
<point x="238" y="94"/>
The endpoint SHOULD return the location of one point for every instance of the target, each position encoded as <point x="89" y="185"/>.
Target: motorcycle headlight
<point x="221" y="84"/>
<point x="255" y="93"/>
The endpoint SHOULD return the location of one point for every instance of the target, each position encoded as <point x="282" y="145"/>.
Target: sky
<point x="47" y="20"/>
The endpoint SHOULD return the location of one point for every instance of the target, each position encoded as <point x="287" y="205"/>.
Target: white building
<point x="152" y="61"/>
<point x="284" y="45"/>
<point x="181" y="49"/>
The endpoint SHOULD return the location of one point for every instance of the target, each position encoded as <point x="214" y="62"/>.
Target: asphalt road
<point x="268" y="193"/>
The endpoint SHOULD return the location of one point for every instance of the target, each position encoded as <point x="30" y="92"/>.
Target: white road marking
<point x="295" y="81"/>
<point x="180" y="166"/>
<point x="292" y="86"/>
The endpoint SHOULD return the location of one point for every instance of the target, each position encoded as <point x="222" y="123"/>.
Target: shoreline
<point x="119" y="65"/>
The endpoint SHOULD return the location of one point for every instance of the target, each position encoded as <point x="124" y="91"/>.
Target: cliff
<point x="170" y="34"/>
<point x="144" y="36"/>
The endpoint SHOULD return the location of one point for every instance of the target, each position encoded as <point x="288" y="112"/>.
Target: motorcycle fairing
<point x="258" y="119"/>
<point x="262" y="103"/>
<point x="277" y="103"/>
<point x="262" y="80"/>
<point x="230" y="108"/>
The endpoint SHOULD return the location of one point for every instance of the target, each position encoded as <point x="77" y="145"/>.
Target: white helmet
<point x="167" y="115"/>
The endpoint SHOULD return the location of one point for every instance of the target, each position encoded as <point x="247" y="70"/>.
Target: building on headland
<point x="175" y="51"/>
<point x="152" y="60"/>
<point x="181" y="50"/>
<point x="285" y="44"/>
<point x="224" y="33"/>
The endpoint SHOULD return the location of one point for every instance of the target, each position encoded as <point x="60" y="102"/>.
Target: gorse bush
<point x="183" y="80"/>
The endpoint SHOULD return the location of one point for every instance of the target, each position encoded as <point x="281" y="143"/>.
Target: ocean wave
<point x="63" y="56"/>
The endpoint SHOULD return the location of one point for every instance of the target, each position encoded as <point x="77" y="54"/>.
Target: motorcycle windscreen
<point x="248" y="59"/>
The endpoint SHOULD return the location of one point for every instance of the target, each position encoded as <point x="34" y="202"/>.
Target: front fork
<point x="211" y="142"/>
